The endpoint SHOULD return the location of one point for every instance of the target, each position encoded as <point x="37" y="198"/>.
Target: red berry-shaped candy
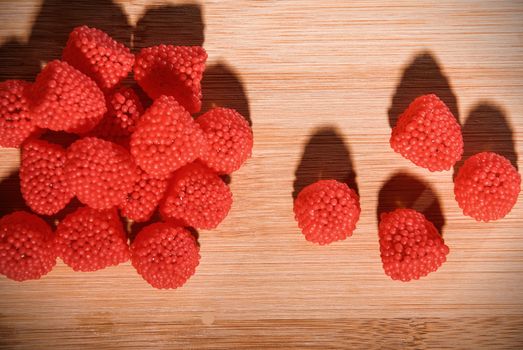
<point x="42" y="179"/>
<point x="197" y="197"/>
<point x="487" y="186"/>
<point x="15" y="119"/>
<point x="229" y="139"/>
<point x="410" y="245"/>
<point x="65" y="99"/>
<point x="165" y="255"/>
<point x="97" y="55"/>
<point x="327" y="211"/>
<point x="144" y="198"/>
<point x="428" y="134"/>
<point x="123" y="112"/>
<point x="173" y="71"/>
<point x="26" y="247"/>
<point x="99" y="172"/>
<point x="90" y="239"/>
<point x="166" y="138"/>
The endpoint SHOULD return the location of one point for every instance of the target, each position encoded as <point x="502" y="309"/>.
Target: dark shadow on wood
<point x="423" y="75"/>
<point x="17" y="61"/>
<point x="11" y="200"/>
<point x="226" y="178"/>
<point x="70" y="208"/>
<point x="222" y="87"/>
<point x="487" y="129"/>
<point x="194" y="232"/>
<point x="10" y="196"/>
<point x="403" y="190"/>
<point x="57" y="18"/>
<point x="137" y="227"/>
<point x="50" y="31"/>
<point x="179" y="25"/>
<point x="325" y="157"/>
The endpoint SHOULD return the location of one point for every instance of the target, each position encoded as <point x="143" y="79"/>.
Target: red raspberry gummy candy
<point x="428" y="134"/>
<point x="144" y="198"/>
<point x="487" y="186"/>
<point x="229" y="139"/>
<point x="64" y="99"/>
<point x="166" y="138"/>
<point x="123" y="112"/>
<point x="174" y="71"/>
<point x="410" y="245"/>
<point x="15" y="119"/>
<point x="42" y="179"/>
<point x="26" y="247"/>
<point x="327" y="211"/>
<point x="98" y="56"/>
<point x="90" y="239"/>
<point x="197" y="197"/>
<point x="165" y="255"/>
<point x="99" y="172"/>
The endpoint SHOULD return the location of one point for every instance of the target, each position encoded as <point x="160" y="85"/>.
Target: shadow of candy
<point x="403" y="190"/>
<point x="423" y="75"/>
<point x="487" y="129"/>
<point x="50" y="30"/>
<point x="326" y="156"/>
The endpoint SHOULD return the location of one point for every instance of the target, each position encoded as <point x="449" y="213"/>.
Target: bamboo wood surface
<point x="321" y="82"/>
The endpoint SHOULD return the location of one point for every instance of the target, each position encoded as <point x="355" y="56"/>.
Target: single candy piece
<point x="42" y="179"/>
<point x="229" y="139"/>
<point x="100" y="173"/>
<point x="15" y="118"/>
<point x="327" y="211"/>
<point x="173" y="71"/>
<point x="97" y="55"/>
<point x="65" y="99"/>
<point x="123" y="112"/>
<point x="487" y="186"/>
<point x="410" y="245"/>
<point x="90" y="239"/>
<point x="26" y="247"/>
<point x="147" y="192"/>
<point x="196" y="197"/>
<point x="166" y="138"/>
<point x="165" y="255"/>
<point x="428" y="134"/>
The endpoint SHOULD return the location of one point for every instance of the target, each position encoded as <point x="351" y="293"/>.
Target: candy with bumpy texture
<point x="487" y="186"/>
<point x="90" y="239"/>
<point x="166" y="138"/>
<point x="42" y="179"/>
<point x="410" y="245"/>
<point x="173" y="71"/>
<point x="65" y="99"/>
<point x="327" y="211"/>
<point x="100" y="173"/>
<point x="15" y="118"/>
<point x="26" y="247"/>
<point x="229" y="139"/>
<point x="97" y="55"/>
<point x="165" y="255"/>
<point x="124" y="109"/>
<point x="197" y="197"/>
<point x="428" y="134"/>
<point x="144" y="198"/>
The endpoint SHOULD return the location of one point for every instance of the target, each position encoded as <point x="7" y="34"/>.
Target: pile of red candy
<point x="486" y="188"/>
<point x="131" y="160"/>
<point x="126" y="160"/>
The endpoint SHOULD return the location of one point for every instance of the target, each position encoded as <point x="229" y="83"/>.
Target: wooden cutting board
<point x="321" y="83"/>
